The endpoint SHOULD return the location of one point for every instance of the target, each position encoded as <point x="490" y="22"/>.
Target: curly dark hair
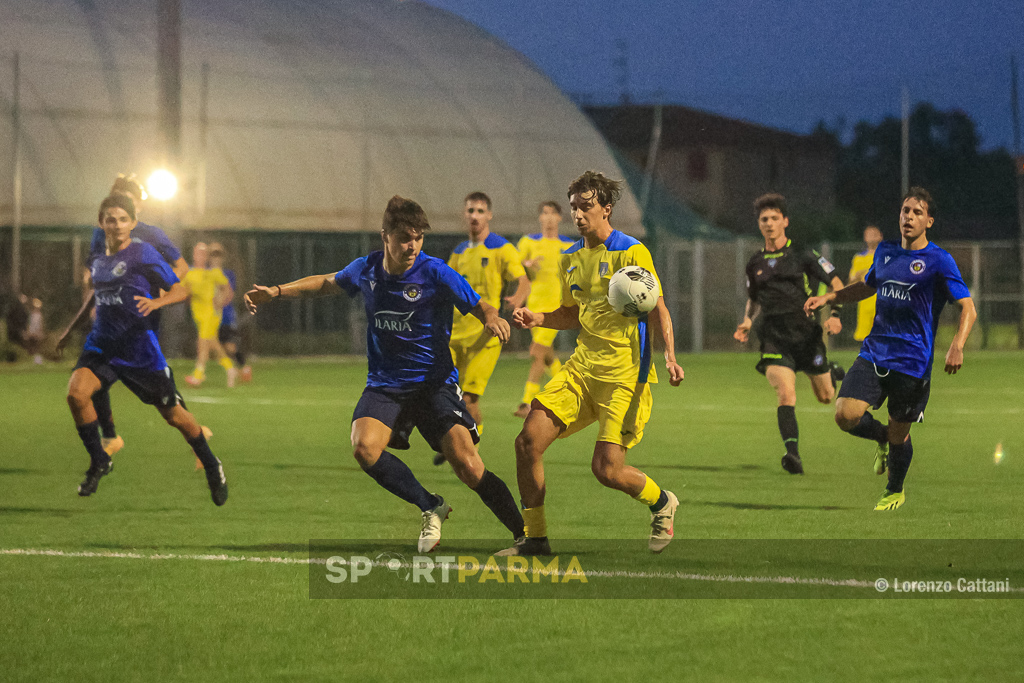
<point x="606" y="190"/>
<point x="922" y="195"/>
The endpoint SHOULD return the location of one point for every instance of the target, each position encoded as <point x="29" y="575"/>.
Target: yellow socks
<point x="226" y="363"/>
<point x="536" y="525"/>
<point x="650" y="493"/>
<point x="553" y="369"/>
<point x="529" y="392"/>
<point x="199" y="373"/>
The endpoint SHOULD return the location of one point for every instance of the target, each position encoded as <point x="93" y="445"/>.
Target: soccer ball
<point x="633" y="291"/>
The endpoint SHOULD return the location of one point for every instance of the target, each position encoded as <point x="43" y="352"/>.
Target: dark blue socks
<point x="101" y="402"/>
<point x="870" y="428"/>
<point x="395" y="476"/>
<point x="205" y="455"/>
<point x="899" y="462"/>
<point x="90" y="436"/>
<point x="496" y="496"/>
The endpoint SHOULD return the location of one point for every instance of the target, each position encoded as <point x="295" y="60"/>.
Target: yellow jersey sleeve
<point x="860" y="266"/>
<point x="511" y="265"/>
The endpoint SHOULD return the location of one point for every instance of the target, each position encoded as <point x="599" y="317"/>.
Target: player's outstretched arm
<point x="750" y="311"/>
<point x="80" y="317"/>
<point x="662" y="319"/>
<point x="314" y="285"/>
<point x="955" y="355"/>
<point x="180" y="268"/>
<point x="494" y="323"/>
<point x="177" y="293"/>
<point x="847" y="295"/>
<point x="562" y="318"/>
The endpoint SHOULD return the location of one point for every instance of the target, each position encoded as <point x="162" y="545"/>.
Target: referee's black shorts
<point x="794" y="341"/>
<point x="433" y="411"/>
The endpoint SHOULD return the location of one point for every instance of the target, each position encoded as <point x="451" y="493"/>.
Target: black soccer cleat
<point x="218" y="484"/>
<point x="835" y="370"/>
<point x="525" y="546"/>
<point x="93" y="476"/>
<point x="792" y="464"/>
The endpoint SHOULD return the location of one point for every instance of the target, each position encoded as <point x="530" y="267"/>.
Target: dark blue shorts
<point x="907" y="395"/>
<point x="155" y="388"/>
<point x="433" y="411"/>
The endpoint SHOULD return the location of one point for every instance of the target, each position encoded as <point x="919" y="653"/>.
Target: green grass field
<point x="110" y="609"/>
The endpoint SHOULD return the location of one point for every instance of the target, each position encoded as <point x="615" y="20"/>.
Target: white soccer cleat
<point x="661" y="524"/>
<point x="430" y="531"/>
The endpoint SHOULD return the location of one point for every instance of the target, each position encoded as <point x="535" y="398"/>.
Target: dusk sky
<point x="782" y="63"/>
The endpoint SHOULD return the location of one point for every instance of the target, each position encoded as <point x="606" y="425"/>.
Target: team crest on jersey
<point x="120" y="269"/>
<point x="483" y="261"/>
<point x="917" y="266"/>
<point x="602" y="269"/>
<point x="771" y="263"/>
<point x="412" y="292"/>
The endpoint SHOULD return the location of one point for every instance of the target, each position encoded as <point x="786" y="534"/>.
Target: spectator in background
<point x="35" y="332"/>
<point x="858" y="270"/>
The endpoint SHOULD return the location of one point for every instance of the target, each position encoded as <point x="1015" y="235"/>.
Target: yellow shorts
<point x="620" y="410"/>
<point x="207" y="322"/>
<point x="475" y="359"/>
<point x="543" y="336"/>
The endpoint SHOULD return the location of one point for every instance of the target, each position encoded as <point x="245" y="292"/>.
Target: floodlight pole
<point x="16" y="175"/>
<point x="1019" y="165"/>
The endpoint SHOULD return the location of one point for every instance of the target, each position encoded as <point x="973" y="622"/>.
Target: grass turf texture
<point x="284" y="443"/>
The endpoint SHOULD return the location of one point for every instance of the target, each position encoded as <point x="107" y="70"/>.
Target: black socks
<point x="789" y="430"/>
<point x="496" y="496"/>
<point x="900" y="456"/>
<point x="870" y="428"/>
<point x="395" y="476"/>
<point x="90" y="436"/>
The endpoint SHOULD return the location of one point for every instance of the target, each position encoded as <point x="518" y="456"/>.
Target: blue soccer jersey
<point x="913" y="287"/>
<point x="409" y="319"/>
<point x="121" y="332"/>
<point x="149" y="234"/>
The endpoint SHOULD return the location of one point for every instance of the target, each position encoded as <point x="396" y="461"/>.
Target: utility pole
<point x="17" y="163"/>
<point x="1019" y="164"/>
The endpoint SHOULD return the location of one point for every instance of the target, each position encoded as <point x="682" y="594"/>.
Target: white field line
<point x="677" y="576"/>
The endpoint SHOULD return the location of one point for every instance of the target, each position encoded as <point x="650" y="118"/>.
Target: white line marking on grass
<point x="616" y="574"/>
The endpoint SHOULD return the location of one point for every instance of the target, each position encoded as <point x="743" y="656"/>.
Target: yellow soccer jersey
<point x="203" y="283"/>
<point x="610" y="347"/>
<point x="486" y="266"/>
<point x="545" y="294"/>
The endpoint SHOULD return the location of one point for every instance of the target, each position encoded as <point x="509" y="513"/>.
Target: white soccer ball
<point x="633" y="291"/>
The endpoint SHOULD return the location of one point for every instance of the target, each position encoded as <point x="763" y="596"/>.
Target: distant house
<point x="719" y="165"/>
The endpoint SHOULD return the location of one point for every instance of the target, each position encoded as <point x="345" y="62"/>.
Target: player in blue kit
<point x="412" y="381"/>
<point x="150" y="234"/>
<point x="123" y="346"/>
<point x="913" y="280"/>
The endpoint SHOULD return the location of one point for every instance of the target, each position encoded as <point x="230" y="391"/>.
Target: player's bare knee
<point x="366" y="454"/>
<point x="526" y="447"/>
<point x="846" y="419"/>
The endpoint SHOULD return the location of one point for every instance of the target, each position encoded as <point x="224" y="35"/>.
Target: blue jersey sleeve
<point x="97" y="247"/>
<point x="150" y="234"/>
<point x="157" y="270"/>
<point x="870" y="279"/>
<point x="956" y="288"/>
<point x="464" y="296"/>
<point x="230" y="275"/>
<point x="348" y="279"/>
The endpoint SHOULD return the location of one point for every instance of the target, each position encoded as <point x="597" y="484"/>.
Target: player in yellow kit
<point x="858" y="269"/>
<point x="209" y="290"/>
<point x="540" y="254"/>
<point x="487" y="261"/>
<point x="606" y="380"/>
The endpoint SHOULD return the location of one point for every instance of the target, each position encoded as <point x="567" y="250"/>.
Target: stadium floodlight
<point x="162" y="184"/>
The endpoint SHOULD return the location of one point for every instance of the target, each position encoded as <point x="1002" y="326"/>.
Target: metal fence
<point x="704" y="285"/>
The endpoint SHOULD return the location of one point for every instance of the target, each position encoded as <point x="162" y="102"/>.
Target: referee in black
<point x="780" y="278"/>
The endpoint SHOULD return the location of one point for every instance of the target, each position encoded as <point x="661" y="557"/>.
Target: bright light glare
<point x="162" y="184"/>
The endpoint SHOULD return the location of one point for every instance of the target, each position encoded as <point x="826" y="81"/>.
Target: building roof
<point x="629" y="127"/>
<point x="318" y="112"/>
